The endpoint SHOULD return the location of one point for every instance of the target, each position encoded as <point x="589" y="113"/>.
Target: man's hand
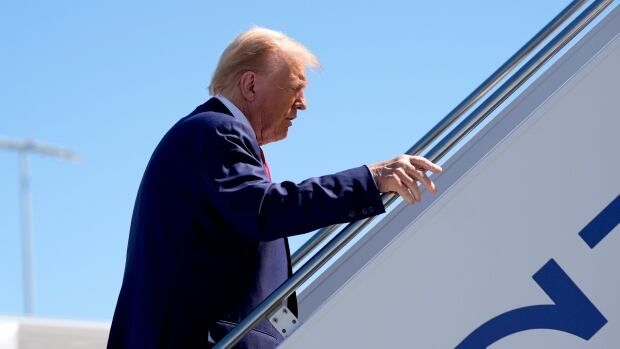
<point x="401" y="175"/>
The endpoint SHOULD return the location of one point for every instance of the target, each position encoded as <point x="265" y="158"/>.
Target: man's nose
<point x="300" y="102"/>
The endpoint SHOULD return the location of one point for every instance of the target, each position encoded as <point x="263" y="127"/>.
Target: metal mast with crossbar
<point x="23" y="148"/>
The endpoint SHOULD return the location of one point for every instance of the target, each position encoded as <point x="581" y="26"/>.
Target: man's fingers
<point x="410" y="184"/>
<point x="422" y="177"/>
<point x="428" y="184"/>
<point x="415" y="191"/>
<point x="402" y="174"/>
<point x="402" y="190"/>
<point x="421" y="162"/>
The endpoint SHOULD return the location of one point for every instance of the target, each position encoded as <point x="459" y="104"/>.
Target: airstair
<point x="519" y="249"/>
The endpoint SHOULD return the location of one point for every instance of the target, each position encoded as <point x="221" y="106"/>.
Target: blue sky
<point x="108" y="78"/>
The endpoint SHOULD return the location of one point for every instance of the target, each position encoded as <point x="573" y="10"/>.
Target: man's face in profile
<point x="280" y="93"/>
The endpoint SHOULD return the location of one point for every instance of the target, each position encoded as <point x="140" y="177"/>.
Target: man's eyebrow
<point x="298" y="81"/>
<point x="302" y="82"/>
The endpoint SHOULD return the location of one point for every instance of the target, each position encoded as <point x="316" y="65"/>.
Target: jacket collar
<point x="216" y="105"/>
<point x="236" y="112"/>
<point x="213" y="105"/>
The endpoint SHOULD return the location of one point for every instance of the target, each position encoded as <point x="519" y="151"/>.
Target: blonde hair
<point x="255" y="50"/>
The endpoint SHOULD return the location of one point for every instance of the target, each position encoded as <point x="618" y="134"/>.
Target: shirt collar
<point x="236" y="112"/>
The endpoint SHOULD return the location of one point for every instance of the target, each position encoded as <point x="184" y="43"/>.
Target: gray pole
<point x="23" y="148"/>
<point x="26" y="232"/>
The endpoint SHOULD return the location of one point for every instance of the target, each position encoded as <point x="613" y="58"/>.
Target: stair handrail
<point x="458" y="111"/>
<point x="274" y="300"/>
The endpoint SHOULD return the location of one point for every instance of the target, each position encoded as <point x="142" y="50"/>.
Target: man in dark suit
<point x="208" y="234"/>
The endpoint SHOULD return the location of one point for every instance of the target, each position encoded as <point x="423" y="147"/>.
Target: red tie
<point x="292" y="299"/>
<point x="262" y="155"/>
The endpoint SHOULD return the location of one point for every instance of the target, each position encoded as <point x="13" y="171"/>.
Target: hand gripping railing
<point x="458" y="111"/>
<point x="435" y="154"/>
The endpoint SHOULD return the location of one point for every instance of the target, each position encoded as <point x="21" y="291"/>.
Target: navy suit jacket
<point x="207" y="241"/>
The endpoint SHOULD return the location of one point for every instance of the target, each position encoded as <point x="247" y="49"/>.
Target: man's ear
<point x="248" y="85"/>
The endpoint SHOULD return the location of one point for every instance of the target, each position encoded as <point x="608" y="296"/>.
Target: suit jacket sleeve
<point x="235" y="185"/>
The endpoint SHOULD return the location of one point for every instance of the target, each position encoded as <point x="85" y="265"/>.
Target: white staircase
<point x="502" y="255"/>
